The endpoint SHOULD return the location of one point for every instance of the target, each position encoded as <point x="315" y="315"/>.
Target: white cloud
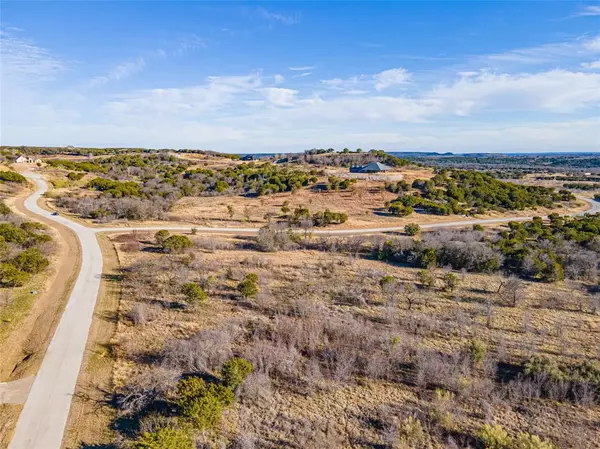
<point x="472" y="110"/>
<point x="590" y="10"/>
<point x="189" y="43"/>
<point x="547" y="53"/>
<point x="279" y="96"/>
<point x="379" y="81"/>
<point x="391" y="77"/>
<point x="217" y="93"/>
<point x="554" y="91"/>
<point x="594" y="65"/>
<point x="120" y="71"/>
<point x="592" y="45"/>
<point x="286" y="19"/>
<point x="24" y="61"/>
<point x="302" y="68"/>
<point x="304" y="74"/>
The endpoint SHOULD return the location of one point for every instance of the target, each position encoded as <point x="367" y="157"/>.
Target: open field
<point x="298" y="397"/>
<point x="364" y="203"/>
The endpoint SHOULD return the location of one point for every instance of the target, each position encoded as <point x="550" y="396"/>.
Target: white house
<point x="27" y="160"/>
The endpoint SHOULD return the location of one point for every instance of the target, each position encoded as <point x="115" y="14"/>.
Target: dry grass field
<point x="364" y="202"/>
<point x="342" y="360"/>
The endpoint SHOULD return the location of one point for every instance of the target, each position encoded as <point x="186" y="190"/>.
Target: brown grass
<point x="337" y="414"/>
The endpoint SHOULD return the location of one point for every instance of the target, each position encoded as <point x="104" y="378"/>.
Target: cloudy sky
<point x="282" y="76"/>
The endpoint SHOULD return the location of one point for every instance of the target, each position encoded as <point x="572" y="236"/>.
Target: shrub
<point x="426" y="278"/>
<point x="545" y="366"/>
<point x="235" y="371"/>
<point x="193" y="292"/>
<point x="400" y="209"/>
<point x="451" y="281"/>
<point x="387" y="281"/>
<point x="493" y="437"/>
<point x="203" y="403"/>
<point x="412" y="435"/>
<point x="176" y="244"/>
<point x="12" y="234"/>
<point x="477" y="350"/>
<point x="248" y="288"/>
<point x="31" y="260"/>
<point x="10" y="276"/>
<point x="4" y="209"/>
<point x="161" y="236"/>
<point x="412" y="229"/>
<point x="11" y="176"/>
<point x="74" y="176"/>
<point x="165" y="438"/>
<point x="478" y="227"/>
<point x="525" y="440"/>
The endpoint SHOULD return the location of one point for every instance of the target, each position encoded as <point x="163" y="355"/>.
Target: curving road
<point x="42" y="422"/>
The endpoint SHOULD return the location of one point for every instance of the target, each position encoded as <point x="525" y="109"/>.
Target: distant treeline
<point x="543" y="162"/>
<point x="347" y="159"/>
<point x="581" y="186"/>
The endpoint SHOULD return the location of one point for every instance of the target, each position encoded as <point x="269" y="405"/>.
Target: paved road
<point x="42" y="422"/>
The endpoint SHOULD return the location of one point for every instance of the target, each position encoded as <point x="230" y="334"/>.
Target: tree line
<point x="469" y="192"/>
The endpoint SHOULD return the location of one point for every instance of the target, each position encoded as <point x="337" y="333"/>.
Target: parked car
<point x="54" y="213"/>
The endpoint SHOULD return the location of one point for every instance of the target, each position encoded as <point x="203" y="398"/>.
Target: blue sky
<point x="288" y="76"/>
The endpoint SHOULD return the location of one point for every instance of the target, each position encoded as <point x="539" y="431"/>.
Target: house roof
<point x="376" y="166"/>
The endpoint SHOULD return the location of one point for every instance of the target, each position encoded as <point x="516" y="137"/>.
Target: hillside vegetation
<point x="470" y="192"/>
<point x="291" y="341"/>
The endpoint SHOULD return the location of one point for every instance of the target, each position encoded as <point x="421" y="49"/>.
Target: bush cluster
<point x="470" y="192"/>
<point x="564" y="247"/>
<point x="22" y="251"/>
<point x="11" y="176"/>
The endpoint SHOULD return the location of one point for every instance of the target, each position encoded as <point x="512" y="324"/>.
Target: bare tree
<point x="511" y="290"/>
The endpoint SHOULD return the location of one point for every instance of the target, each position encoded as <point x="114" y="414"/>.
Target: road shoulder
<point x="90" y="415"/>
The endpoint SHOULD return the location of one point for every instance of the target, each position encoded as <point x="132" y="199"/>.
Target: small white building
<point x="27" y="160"/>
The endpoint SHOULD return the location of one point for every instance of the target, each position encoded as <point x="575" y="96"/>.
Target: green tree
<point x="4" y="209"/>
<point x="161" y="236"/>
<point x="494" y="437"/>
<point x="451" y="281"/>
<point x="11" y="276"/>
<point x="412" y="229"/>
<point x="235" y="371"/>
<point x="248" y="288"/>
<point x="426" y="278"/>
<point x="202" y="403"/>
<point x="11" y="176"/>
<point x="165" y="438"/>
<point x="478" y="227"/>
<point x="477" y="350"/>
<point x="176" y="244"/>
<point x="32" y="260"/>
<point x="193" y="292"/>
<point x="428" y="258"/>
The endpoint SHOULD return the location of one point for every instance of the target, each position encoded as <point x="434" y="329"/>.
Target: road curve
<point x="42" y="422"/>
